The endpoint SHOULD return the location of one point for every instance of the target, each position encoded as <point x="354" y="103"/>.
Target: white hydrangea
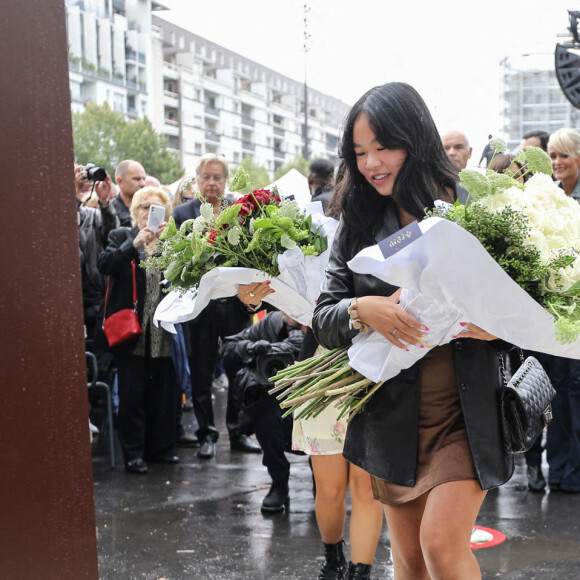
<point x="206" y="211"/>
<point x="198" y="225"/>
<point x="234" y="236"/>
<point x="289" y="208"/>
<point x="498" y="145"/>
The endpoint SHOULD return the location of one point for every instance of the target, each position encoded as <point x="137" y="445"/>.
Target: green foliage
<point x="298" y="163"/>
<point x="105" y="137"/>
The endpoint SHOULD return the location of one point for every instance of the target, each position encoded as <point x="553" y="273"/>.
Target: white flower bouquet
<point x="508" y="262"/>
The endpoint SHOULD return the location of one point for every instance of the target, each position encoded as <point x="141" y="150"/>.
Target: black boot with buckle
<point x="359" y="571"/>
<point x="335" y="565"/>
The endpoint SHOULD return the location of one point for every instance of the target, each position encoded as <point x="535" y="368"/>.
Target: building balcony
<point x="279" y="131"/>
<point x="130" y="55"/>
<point x="211" y="110"/>
<point x="248" y="146"/>
<point x="211" y="136"/>
<point x="279" y="154"/>
<point x="248" y="121"/>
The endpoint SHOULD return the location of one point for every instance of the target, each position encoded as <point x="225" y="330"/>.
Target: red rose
<point x="246" y="210"/>
<point x="212" y="237"/>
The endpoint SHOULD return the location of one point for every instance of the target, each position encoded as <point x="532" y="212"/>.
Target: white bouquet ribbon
<point x="448" y="277"/>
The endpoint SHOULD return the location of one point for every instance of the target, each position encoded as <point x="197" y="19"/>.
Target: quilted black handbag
<point x="525" y="404"/>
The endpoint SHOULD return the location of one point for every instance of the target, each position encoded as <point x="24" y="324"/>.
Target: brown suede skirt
<point x="443" y="453"/>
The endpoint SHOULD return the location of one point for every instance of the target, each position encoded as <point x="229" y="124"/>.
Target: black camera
<point x="268" y="365"/>
<point x="95" y="173"/>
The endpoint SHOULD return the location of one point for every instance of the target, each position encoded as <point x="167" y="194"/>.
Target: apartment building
<point x="215" y="100"/>
<point x="204" y="97"/>
<point x="532" y="99"/>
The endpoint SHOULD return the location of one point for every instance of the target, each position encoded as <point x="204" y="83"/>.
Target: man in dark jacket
<point x="254" y="355"/>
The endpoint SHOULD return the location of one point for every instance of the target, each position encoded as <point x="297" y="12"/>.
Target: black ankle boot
<point x="277" y="498"/>
<point x="334" y="567"/>
<point x="359" y="571"/>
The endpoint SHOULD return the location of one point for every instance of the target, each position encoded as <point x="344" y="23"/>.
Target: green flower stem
<point x="295" y="396"/>
<point x="359" y="405"/>
<point x="285" y="382"/>
<point x="338" y="375"/>
<point x="351" y="387"/>
<point x="252" y="251"/>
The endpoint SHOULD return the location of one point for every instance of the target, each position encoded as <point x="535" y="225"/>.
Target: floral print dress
<point x="321" y="435"/>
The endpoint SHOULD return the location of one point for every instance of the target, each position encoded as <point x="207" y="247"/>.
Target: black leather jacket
<point x="382" y="438"/>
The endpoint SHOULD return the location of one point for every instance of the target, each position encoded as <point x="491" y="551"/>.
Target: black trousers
<point x="148" y="406"/>
<point x="218" y="319"/>
<point x="563" y="441"/>
<point x="274" y="434"/>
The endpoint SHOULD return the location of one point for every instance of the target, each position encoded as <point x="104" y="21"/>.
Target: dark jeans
<point x="179" y="356"/>
<point x="218" y="319"/>
<point x="563" y="443"/>
<point x="274" y="434"/>
<point x="148" y="404"/>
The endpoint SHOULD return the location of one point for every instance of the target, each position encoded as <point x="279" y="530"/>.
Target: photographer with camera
<point x="254" y="355"/>
<point x="94" y="224"/>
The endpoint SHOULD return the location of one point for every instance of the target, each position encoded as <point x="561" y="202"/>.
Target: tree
<point x="105" y="137"/>
<point x="259" y="177"/>
<point x="298" y="163"/>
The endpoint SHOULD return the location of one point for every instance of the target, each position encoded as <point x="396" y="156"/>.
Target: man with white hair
<point x="457" y="148"/>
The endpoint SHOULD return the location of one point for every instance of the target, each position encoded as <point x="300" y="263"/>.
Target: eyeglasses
<point x="216" y="178"/>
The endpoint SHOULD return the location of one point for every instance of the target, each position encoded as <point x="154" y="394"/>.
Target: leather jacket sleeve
<point x="108" y="221"/>
<point x="330" y="321"/>
<point x="119" y="251"/>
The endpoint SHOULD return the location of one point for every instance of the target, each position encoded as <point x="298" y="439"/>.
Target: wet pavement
<point x="201" y="519"/>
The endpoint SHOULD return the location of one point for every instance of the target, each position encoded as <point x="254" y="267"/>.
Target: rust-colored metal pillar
<point x="47" y="520"/>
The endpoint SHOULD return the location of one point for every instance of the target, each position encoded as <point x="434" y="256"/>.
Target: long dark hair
<point x="400" y="120"/>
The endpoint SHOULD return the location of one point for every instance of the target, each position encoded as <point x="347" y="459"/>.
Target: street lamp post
<point x="305" y="148"/>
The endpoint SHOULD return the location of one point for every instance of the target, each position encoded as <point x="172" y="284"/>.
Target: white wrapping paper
<point x="447" y="278"/>
<point x="296" y="289"/>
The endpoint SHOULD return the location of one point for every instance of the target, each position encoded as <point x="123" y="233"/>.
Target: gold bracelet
<point x="355" y="322"/>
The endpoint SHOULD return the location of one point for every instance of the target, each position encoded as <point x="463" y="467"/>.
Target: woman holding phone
<point x="148" y="388"/>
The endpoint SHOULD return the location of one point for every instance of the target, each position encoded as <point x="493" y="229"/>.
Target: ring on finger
<point x="252" y="295"/>
<point x="394" y="332"/>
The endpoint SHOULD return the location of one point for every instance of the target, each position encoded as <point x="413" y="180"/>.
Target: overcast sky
<point x="449" y="50"/>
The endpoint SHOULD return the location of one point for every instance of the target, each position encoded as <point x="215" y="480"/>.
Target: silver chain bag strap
<point x="524" y="404"/>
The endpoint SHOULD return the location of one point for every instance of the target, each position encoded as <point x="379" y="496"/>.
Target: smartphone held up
<point x="156" y="217"/>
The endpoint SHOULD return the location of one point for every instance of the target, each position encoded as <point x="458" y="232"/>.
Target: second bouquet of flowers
<point x="260" y="237"/>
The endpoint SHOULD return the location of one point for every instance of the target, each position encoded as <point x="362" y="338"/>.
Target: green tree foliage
<point x="257" y="174"/>
<point x="298" y="163"/>
<point x="105" y="137"/>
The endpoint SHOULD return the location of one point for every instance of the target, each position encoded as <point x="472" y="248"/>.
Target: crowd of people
<point x="425" y="452"/>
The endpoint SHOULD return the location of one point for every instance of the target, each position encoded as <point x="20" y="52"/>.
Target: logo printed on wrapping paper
<point x="400" y="239"/>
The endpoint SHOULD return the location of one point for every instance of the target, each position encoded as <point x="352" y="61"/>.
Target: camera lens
<point x="95" y="173"/>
